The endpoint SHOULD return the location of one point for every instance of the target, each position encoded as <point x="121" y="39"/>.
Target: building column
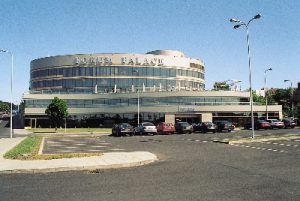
<point x="170" y="118"/>
<point x="206" y="117"/>
<point x="280" y="115"/>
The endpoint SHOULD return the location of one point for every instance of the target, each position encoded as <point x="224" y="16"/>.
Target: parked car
<point x="275" y="123"/>
<point x="164" y="128"/>
<point x="122" y="129"/>
<point x="231" y="125"/>
<point x="183" y="127"/>
<point x="205" y="127"/>
<point x="145" y="128"/>
<point x="259" y="124"/>
<point x="289" y="123"/>
<point x="223" y="126"/>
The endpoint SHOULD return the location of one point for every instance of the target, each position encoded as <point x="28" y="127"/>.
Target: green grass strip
<point x="29" y="146"/>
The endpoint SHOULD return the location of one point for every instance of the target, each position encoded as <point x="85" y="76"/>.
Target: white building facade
<point x="103" y="89"/>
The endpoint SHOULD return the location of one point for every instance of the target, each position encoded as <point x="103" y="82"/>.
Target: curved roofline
<point x="155" y="52"/>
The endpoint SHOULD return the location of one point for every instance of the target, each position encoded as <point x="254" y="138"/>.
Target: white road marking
<point x="117" y="149"/>
<point x="97" y="146"/>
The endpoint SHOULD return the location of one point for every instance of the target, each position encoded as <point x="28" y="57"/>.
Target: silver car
<point x="145" y="128"/>
<point x="275" y="123"/>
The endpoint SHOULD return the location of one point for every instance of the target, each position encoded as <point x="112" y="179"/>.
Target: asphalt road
<point x="191" y="167"/>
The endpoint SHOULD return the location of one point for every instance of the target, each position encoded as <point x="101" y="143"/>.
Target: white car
<point x="275" y="123"/>
<point x="146" y="128"/>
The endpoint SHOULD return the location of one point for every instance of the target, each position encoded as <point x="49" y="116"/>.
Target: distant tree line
<point x="281" y="97"/>
<point x="5" y="106"/>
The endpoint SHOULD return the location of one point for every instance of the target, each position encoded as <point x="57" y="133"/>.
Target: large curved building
<point x="86" y="73"/>
<point x="102" y="89"/>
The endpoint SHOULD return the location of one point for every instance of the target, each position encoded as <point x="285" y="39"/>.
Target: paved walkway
<point x="107" y="160"/>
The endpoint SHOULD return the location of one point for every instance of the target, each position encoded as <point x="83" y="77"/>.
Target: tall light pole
<point x="291" y="96"/>
<point x="246" y="25"/>
<point x="11" y="88"/>
<point x="266" y="97"/>
<point x="138" y="93"/>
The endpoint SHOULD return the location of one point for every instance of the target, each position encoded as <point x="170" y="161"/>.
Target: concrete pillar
<point x="280" y="115"/>
<point x="170" y="118"/>
<point x="206" y="117"/>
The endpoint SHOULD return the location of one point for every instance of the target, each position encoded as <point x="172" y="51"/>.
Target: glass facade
<point x="84" y="79"/>
<point x="144" y="101"/>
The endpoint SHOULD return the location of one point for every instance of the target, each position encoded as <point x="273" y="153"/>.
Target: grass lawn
<point x="70" y="130"/>
<point x="28" y="150"/>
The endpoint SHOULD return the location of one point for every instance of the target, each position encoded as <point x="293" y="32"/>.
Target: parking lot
<point x="109" y="143"/>
<point x="190" y="166"/>
<point x="77" y="144"/>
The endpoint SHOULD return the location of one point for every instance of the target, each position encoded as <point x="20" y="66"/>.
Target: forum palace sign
<point x="99" y="60"/>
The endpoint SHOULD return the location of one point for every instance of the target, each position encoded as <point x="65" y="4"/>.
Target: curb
<point x="82" y="167"/>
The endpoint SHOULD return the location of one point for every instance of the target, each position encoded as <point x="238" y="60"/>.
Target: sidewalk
<point x="105" y="161"/>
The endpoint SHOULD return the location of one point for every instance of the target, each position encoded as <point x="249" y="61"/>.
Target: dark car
<point x="260" y="124"/>
<point x="289" y="123"/>
<point x="122" y="129"/>
<point x="205" y="127"/>
<point x="223" y="126"/>
<point x="145" y="128"/>
<point x="164" y="128"/>
<point x="183" y="127"/>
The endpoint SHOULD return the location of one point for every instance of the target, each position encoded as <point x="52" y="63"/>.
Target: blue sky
<point x="201" y="29"/>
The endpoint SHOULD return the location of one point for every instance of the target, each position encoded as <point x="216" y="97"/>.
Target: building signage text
<point x="123" y="61"/>
<point x="186" y="109"/>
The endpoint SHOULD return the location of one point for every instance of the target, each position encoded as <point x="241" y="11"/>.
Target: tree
<point x="297" y="111"/>
<point x="262" y="100"/>
<point x="4" y="106"/>
<point x="283" y="97"/>
<point x="57" y="110"/>
<point x="221" y="86"/>
<point x="258" y="99"/>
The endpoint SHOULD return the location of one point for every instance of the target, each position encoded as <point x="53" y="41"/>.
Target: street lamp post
<point x="138" y="93"/>
<point x="291" y="97"/>
<point x="11" y="88"/>
<point x="239" y="24"/>
<point x="266" y="97"/>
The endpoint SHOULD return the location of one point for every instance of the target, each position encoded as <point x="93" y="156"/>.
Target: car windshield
<point x="125" y="126"/>
<point x="184" y="124"/>
<point x="147" y="124"/>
